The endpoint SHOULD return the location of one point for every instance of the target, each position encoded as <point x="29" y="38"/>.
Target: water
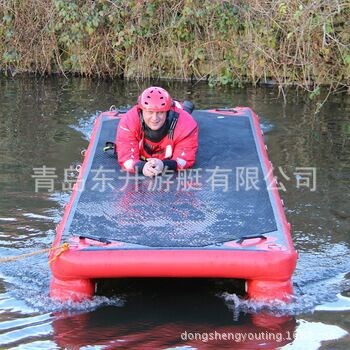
<point x="48" y="122"/>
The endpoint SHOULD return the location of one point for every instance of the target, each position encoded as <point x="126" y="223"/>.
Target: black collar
<point x="157" y="135"/>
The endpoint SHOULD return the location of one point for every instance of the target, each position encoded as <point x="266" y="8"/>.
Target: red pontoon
<point x="224" y="218"/>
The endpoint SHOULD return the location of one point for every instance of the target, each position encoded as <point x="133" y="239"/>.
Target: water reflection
<point x="166" y="314"/>
<point x="47" y="122"/>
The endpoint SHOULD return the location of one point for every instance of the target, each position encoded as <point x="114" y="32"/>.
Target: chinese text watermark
<point x="196" y="179"/>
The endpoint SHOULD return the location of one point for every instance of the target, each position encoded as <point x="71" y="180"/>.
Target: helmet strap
<point x="142" y="121"/>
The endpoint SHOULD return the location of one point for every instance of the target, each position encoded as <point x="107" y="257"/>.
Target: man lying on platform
<point x="157" y="134"/>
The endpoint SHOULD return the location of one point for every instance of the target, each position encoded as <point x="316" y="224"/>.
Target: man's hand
<point x="153" y="167"/>
<point x="157" y="164"/>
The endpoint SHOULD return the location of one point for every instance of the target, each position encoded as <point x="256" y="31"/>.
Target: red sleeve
<point x="127" y="140"/>
<point x="185" y="141"/>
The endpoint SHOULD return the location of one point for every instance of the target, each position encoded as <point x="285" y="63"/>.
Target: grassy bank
<point x="296" y="42"/>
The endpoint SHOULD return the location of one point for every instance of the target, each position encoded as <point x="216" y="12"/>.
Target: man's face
<point x="154" y="120"/>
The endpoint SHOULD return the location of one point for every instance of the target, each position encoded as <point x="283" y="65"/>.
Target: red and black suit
<point x="175" y="143"/>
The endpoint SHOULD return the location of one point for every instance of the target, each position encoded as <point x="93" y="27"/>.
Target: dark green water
<point x="48" y="122"/>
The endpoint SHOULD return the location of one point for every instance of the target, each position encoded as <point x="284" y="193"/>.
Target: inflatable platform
<point x="221" y="219"/>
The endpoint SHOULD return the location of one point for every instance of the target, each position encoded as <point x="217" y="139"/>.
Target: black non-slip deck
<point x="221" y="199"/>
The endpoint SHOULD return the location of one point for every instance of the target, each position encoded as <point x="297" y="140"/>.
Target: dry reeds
<point x="298" y="42"/>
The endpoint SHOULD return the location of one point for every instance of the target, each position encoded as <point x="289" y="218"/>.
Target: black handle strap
<point x="109" y="146"/>
<point x="98" y="239"/>
<point x="244" y="238"/>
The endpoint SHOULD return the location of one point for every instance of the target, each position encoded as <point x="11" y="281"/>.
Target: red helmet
<point x="155" y="99"/>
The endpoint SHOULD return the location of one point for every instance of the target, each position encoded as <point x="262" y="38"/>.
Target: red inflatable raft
<point x="222" y="219"/>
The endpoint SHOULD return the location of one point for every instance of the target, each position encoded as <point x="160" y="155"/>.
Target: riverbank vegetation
<point x="304" y="43"/>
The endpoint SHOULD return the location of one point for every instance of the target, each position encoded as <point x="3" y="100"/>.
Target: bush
<point x="300" y="43"/>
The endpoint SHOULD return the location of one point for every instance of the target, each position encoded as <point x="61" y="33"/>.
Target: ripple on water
<point x="86" y="125"/>
<point x="319" y="279"/>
